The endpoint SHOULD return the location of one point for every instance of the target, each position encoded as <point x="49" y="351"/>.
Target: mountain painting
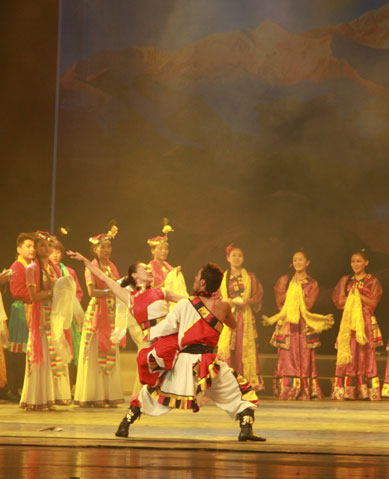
<point x="273" y="138"/>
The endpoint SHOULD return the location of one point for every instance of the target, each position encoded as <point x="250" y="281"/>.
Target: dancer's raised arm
<point x="115" y="287"/>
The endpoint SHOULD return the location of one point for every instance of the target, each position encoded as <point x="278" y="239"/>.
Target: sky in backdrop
<point x="90" y="26"/>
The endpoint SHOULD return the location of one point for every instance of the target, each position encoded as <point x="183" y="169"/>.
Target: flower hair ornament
<point x="112" y="232"/>
<point x="63" y="231"/>
<point x="152" y="242"/>
<point x="44" y="235"/>
<point x="229" y="248"/>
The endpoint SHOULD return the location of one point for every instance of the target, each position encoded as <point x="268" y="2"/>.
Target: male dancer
<point x="198" y="321"/>
<point x="20" y="311"/>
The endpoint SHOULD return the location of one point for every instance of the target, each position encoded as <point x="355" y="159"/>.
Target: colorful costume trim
<point x="58" y="366"/>
<point x="106" y="359"/>
<point x="36" y="352"/>
<point x="206" y="370"/>
<point x="356" y="374"/>
<point x="100" y="320"/>
<point x="295" y="376"/>
<point x="239" y="348"/>
<point x="356" y="387"/>
<point x="292" y="387"/>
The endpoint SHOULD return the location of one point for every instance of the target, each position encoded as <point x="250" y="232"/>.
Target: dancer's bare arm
<point x="116" y="289"/>
<point x="229" y="318"/>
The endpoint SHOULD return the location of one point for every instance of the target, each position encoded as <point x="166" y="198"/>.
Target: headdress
<point x="44" y="235"/>
<point x="113" y="231"/>
<point x="152" y="242"/>
<point x="63" y="231"/>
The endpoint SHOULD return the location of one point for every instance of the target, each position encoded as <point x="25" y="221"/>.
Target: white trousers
<point x="224" y="391"/>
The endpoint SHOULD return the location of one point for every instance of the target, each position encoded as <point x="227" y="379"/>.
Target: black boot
<point x="132" y="415"/>
<point x="246" y="421"/>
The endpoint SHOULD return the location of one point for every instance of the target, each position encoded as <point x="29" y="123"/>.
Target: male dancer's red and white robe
<point x="196" y="371"/>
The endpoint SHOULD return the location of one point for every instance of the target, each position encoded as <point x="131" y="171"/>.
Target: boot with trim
<point x="132" y="415"/>
<point x="246" y="421"/>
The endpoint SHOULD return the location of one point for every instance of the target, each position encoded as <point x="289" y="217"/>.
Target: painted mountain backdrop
<point x="262" y="136"/>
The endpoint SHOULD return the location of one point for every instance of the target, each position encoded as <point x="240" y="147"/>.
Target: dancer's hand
<point x="6" y="275"/>
<point x="264" y="321"/>
<point x="75" y="255"/>
<point x="238" y="301"/>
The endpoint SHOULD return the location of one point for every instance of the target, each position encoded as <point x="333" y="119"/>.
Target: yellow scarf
<point x="294" y="307"/>
<point x="352" y="320"/>
<point x="224" y="351"/>
<point x="23" y="261"/>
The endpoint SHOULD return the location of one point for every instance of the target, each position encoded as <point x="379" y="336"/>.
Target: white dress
<point x="98" y="375"/>
<point x="41" y="389"/>
<point x="45" y="383"/>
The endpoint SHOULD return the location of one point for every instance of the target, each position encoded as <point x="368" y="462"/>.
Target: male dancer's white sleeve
<point x="170" y="324"/>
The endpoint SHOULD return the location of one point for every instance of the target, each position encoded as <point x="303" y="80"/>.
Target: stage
<point x="311" y="439"/>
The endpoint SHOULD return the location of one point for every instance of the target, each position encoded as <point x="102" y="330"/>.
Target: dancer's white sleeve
<point x="170" y="324"/>
<point x="61" y="317"/>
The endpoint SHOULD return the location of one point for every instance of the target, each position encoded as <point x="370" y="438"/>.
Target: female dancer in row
<point x="46" y="380"/>
<point x="98" y="377"/>
<point x="159" y="266"/>
<point x="163" y="273"/>
<point x="239" y="347"/>
<point x="56" y="257"/>
<point x="296" y="335"/>
<point x="358" y="295"/>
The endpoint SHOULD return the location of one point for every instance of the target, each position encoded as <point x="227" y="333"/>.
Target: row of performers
<point x="41" y="302"/>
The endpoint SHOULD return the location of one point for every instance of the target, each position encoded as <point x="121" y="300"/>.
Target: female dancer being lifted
<point x="149" y="306"/>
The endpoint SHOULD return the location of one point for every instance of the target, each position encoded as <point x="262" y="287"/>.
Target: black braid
<point x="40" y="273"/>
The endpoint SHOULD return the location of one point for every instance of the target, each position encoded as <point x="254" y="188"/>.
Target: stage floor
<point x="21" y="462"/>
<point x="300" y="436"/>
<point x="316" y="427"/>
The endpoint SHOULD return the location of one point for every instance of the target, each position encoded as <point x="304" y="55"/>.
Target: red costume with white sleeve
<point x="149" y="307"/>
